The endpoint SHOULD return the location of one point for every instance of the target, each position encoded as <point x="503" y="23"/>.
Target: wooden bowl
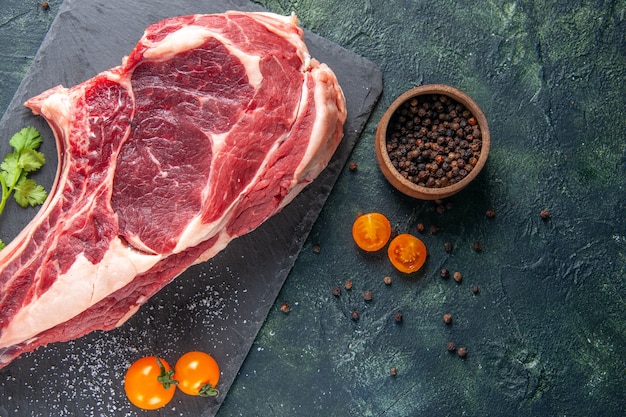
<point x="409" y="187"/>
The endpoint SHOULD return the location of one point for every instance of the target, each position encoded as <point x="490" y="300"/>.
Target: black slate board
<point x="218" y="306"/>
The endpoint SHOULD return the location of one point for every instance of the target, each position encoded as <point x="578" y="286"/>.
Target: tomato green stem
<point x="208" y="390"/>
<point x="166" y="377"/>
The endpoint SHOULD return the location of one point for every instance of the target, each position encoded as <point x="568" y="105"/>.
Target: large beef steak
<point x="211" y="125"/>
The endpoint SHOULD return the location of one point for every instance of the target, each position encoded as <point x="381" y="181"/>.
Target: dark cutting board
<point x="218" y="306"/>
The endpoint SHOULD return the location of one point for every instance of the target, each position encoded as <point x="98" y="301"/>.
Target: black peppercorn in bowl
<point x="432" y="142"/>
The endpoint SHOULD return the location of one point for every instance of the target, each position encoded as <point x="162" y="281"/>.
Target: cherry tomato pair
<point x="150" y="382"/>
<point x="372" y="231"/>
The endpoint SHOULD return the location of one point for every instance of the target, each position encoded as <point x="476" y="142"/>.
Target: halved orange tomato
<point x="407" y="253"/>
<point x="371" y="231"/>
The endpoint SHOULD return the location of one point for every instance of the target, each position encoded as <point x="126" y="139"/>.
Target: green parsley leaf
<point x="29" y="193"/>
<point x="11" y="169"/>
<point x="27" y="138"/>
<point x="31" y="160"/>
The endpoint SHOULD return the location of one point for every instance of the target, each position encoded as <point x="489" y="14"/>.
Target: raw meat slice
<point x="211" y="125"/>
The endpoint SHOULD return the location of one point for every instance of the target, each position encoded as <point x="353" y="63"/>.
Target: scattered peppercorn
<point x="490" y="213"/>
<point x="447" y="318"/>
<point x="420" y="227"/>
<point x="285" y="308"/>
<point x="353" y="166"/>
<point x="387" y="280"/>
<point x="477" y="246"/>
<point x="457" y="276"/>
<point x="336" y="290"/>
<point x="451" y="346"/>
<point x="355" y="315"/>
<point x="433" y="229"/>
<point x="397" y="316"/>
<point x="367" y="295"/>
<point x="545" y="215"/>
<point x="435" y="143"/>
<point x="440" y="208"/>
<point x="45" y="5"/>
<point x="393" y="371"/>
<point x="462" y="351"/>
<point x="348" y="284"/>
<point x="316" y="248"/>
<point x="475" y="289"/>
<point x="448" y="246"/>
<point x="444" y="273"/>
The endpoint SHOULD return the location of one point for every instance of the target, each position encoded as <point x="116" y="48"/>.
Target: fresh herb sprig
<point x="16" y="167"/>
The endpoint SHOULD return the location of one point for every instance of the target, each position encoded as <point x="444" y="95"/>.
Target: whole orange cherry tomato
<point x="148" y="383"/>
<point x="407" y="253"/>
<point x="371" y="231"/>
<point x="197" y="373"/>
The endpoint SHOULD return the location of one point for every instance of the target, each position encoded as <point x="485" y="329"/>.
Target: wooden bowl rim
<point x="408" y="187"/>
